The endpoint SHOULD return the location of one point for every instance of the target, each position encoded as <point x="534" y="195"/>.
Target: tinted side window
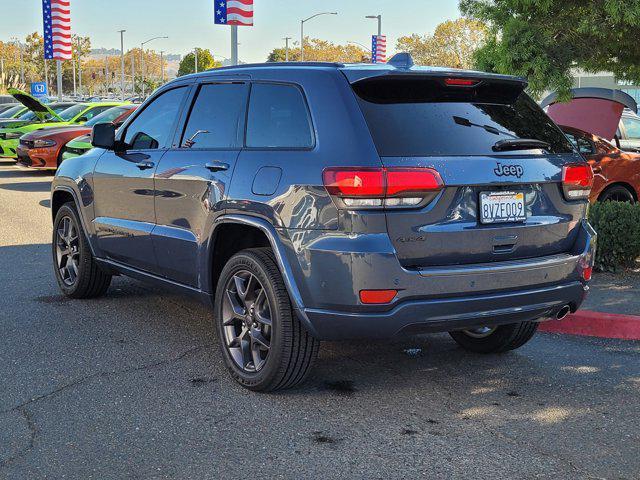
<point x="95" y="111"/>
<point x="154" y="126"/>
<point x="278" y="118"/>
<point x="216" y="114"/>
<point x="583" y="145"/>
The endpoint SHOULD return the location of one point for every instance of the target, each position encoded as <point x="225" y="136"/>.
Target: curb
<point x="596" y="324"/>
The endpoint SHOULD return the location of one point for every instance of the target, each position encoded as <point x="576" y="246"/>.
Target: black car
<point x="322" y="201"/>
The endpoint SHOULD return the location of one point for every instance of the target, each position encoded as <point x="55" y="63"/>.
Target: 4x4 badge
<point x="508" y="170"/>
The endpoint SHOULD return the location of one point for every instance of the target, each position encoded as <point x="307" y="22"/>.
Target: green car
<point x="76" y="147"/>
<point x="46" y="117"/>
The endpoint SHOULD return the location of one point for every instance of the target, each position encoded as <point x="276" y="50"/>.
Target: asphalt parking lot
<point x="131" y="386"/>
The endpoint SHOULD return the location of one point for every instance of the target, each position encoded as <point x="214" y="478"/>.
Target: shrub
<point x="618" y="227"/>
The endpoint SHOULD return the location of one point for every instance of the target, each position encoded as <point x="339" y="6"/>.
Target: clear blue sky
<point x="189" y="23"/>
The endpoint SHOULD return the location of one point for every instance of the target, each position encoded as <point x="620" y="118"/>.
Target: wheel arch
<point x="233" y="233"/>
<point x="625" y="185"/>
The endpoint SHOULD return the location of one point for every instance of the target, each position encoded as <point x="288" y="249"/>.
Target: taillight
<point x="378" y="187"/>
<point x="577" y="181"/>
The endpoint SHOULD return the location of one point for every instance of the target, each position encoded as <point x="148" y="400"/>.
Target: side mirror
<point x="104" y="136"/>
<point x="82" y="120"/>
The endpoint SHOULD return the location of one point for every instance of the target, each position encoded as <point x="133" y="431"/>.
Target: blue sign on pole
<point x="39" y="89"/>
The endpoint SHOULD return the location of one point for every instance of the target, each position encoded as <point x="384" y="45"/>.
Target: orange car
<point x="42" y="149"/>
<point x="616" y="173"/>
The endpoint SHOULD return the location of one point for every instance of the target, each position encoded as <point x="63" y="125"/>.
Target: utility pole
<point x="162" y="66"/>
<point x="73" y="65"/>
<point x="122" y="63"/>
<point x="133" y="73"/>
<point x="286" y="48"/>
<point x="196" y="60"/>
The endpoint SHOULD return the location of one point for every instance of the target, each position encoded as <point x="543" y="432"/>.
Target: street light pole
<point x="302" y="22"/>
<point x="162" y="65"/>
<point x="142" y="57"/>
<point x="196" y="59"/>
<point x="286" y="48"/>
<point x="79" y="54"/>
<point x="379" y="18"/>
<point x="122" y="62"/>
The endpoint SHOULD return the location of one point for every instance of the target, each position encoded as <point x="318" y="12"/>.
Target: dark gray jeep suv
<point x="321" y="201"/>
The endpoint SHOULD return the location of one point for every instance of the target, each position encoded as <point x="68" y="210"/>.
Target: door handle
<point x="144" y="165"/>
<point x="216" y="166"/>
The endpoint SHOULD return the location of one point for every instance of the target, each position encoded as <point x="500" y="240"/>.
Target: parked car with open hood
<point x="46" y="117"/>
<point x="606" y="113"/>
<point x="44" y="149"/>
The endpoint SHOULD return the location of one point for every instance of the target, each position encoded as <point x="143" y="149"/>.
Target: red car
<point x="616" y="173"/>
<point x="42" y="149"/>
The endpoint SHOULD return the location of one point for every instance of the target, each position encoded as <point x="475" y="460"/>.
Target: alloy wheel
<point x="247" y="321"/>
<point x="67" y="251"/>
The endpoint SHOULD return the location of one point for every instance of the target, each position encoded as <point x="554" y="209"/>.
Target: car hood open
<point x="594" y="110"/>
<point x="33" y="104"/>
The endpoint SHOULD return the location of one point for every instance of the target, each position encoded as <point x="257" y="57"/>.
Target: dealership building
<point x="605" y="80"/>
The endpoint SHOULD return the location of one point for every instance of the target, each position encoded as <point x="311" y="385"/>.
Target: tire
<point x="245" y="325"/>
<point x="617" y="193"/>
<point x="497" y="340"/>
<point x="90" y="280"/>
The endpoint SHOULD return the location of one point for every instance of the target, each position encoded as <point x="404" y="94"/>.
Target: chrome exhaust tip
<point x="563" y="312"/>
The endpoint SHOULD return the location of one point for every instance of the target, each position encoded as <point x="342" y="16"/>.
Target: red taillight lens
<point x="354" y="182"/>
<point x="407" y="181"/>
<point x="377" y="187"/>
<point x="577" y="181"/>
<point x="587" y="272"/>
<point x="460" y="82"/>
<point x="377" y="296"/>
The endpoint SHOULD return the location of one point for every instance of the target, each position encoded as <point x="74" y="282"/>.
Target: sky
<point x="189" y="23"/>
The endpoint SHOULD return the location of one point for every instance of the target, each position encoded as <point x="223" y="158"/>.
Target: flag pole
<point x="59" y="67"/>
<point x="234" y="45"/>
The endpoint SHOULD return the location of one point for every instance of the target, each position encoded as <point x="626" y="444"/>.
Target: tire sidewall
<point x="69" y="211"/>
<point x="280" y="314"/>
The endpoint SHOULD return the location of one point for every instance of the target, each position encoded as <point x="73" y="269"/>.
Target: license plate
<point x="502" y="207"/>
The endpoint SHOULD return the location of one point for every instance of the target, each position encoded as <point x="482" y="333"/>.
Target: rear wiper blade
<point x="520" y="144"/>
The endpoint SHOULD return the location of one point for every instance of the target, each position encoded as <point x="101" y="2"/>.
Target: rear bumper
<point x="448" y="314"/>
<point x="334" y="269"/>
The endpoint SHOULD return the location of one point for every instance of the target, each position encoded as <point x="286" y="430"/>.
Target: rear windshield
<point x="422" y="117"/>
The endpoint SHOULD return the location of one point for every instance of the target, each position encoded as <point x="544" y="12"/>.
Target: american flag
<point x="378" y="49"/>
<point x="234" y="12"/>
<point x="56" y="15"/>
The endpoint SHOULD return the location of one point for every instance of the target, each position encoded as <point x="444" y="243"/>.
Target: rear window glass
<point x="278" y="118"/>
<point x="422" y="117"/>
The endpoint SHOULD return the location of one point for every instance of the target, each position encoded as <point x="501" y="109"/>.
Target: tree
<point x="544" y="40"/>
<point x="205" y="62"/>
<point x="316" y="50"/>
<point x="452" y="44"/>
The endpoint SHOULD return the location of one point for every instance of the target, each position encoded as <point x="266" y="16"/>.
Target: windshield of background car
<point x="422" y="117"/>
<point x="72" y="112"/>
<point x="107" y="116"/>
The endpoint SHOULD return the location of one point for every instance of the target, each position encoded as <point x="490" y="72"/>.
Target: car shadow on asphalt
<point x="27" y="186"/>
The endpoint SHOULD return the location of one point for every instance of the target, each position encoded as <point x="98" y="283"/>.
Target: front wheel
<point x="495" y="339"/>
<point x="76" y="271"/>
<point x="263" y="344"/>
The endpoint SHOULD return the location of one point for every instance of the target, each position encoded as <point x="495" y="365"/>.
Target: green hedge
<point x="618" y="227"/>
